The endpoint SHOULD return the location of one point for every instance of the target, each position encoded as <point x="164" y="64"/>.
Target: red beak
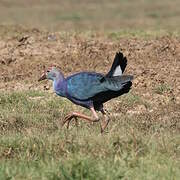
<point x="42" y="77"/>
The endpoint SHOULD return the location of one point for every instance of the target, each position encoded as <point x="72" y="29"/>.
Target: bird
<point x="91" y="89"/>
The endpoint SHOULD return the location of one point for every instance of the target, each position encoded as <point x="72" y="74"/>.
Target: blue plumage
<point x="90" y="89"/>
<point x="84" y="85"/>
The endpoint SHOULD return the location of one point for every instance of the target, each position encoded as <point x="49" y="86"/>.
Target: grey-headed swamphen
<point x="91" y="89"/>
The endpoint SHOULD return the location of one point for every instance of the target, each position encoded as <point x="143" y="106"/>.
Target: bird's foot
<point x="68" y="119"/>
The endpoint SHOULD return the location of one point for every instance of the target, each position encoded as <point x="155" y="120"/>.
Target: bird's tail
<point x="116" y="83"/>
<point x="118" y="65"/>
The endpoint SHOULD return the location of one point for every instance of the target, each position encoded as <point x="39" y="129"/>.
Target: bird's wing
<point x="84" y="85"/>
<point x="116" y="83"/>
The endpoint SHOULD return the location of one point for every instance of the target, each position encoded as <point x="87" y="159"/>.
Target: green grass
<point x="163" y="88"/>
<point x="33" y="145"/>
<point x="140" y="34"/>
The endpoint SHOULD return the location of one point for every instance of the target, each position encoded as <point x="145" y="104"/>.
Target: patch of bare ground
<point x="154" y="62"/>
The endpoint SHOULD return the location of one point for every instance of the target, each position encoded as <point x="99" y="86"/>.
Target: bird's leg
<point x="104" y="124"/>
<point x="69" y="117"/>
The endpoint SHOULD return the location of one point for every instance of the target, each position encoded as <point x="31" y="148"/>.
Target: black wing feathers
<point x="103" y="97"/>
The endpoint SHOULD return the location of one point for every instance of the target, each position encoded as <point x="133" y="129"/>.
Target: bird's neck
<point x="59" y="84"/>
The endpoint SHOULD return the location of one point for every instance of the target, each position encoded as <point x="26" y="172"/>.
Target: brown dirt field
<point x="154" y="62"/>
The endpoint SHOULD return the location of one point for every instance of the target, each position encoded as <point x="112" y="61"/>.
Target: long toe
<point x="68" y="122"/>
<point x="66" y="119"/>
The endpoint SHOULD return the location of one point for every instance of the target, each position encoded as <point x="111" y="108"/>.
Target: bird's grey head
<point x="51" y="73"/>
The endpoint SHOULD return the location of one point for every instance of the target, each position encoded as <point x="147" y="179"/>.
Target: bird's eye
<point x="48" y="71"/>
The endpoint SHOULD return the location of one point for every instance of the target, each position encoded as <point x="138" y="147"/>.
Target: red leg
<point x="69" y="117"/>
